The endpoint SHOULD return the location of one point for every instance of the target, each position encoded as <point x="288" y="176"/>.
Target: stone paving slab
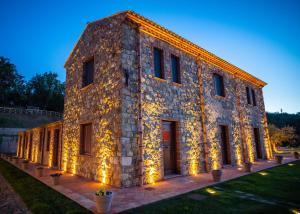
<point x="82" y="190"/>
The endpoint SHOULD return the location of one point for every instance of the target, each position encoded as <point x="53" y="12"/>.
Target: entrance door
<point x="169" y="147"/>
<point x="257" y="143"/>
<point x="55" y="148"/>
<point x="225" y="147"/>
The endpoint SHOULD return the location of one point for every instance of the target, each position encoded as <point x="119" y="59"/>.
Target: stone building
<point x="143" y="104"/>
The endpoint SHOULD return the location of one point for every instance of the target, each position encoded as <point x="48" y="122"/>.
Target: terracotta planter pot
<point x="103" y="203"/>
<point x="279" y="159"/>
<point x="39" y="172"/>
<point x="25" y="165"/>
<point x="56" y="180"/>
<point x="247" y="166"/>
<point x="216" y="174"/>
<point x="296" y="155"/>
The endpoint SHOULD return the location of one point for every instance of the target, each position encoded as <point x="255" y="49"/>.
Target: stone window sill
<point x="87" y="87"/>
<point x="160" y="79"/>
<point x="176" y="84"/>
<point x="220" y="97"/>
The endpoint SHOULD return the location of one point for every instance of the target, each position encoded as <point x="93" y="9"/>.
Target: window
<point x="85" y="138"/>
<point x="248" y="95"/>
<point x="158" y="63"/>
<point x="219" y="85"/>
<point x="48" y="140"/>
<point x="253" y="97"/>
<point x="88" y="72"/>
<point x="175" y="69"/>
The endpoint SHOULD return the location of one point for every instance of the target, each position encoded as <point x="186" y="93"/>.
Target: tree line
<point x="284" y="129"/>
<point x="45" y="90"/>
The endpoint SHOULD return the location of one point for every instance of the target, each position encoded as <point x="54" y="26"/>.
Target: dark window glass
<point x="85" y="138"/>
<point x="219" y="85"/>
<point x="175" y="69"/>
<point x="88" y="72"/>
<point x="48" y="140"/>
<point x="158" y="63"/>
<point x="248" y="95"/>
<point x="253" y="97"/>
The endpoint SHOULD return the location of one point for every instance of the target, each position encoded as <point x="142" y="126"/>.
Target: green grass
<point x="279" y="184"/>
<point x="39" y="198"/>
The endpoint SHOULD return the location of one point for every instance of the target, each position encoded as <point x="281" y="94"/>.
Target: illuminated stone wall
<point x="98" y="103"/>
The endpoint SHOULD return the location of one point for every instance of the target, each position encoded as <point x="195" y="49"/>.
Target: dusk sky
<point x="261" y="37"/>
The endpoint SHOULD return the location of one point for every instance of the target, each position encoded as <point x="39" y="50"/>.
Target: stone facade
<point x="126" y="105"/>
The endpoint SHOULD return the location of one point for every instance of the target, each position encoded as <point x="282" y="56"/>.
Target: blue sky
<point x="259" y="36"/>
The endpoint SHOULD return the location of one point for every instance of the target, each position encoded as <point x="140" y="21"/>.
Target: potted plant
<point x="216" y="174"/>
<point x="279" y="159"/>
<point x="296" y="155"/>
<point x="247" y="166"/>
<point x="39" y="171"/>
<point x="25" y="164"/>
<point x="103" y="200"/>
<point x="55" y="178"/>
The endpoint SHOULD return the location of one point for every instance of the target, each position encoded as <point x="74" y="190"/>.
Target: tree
<point x="12" y="85"/>
<point x="279" y="136"/>
<point x="46" y="92"/>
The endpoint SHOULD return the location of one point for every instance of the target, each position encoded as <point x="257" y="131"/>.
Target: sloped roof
<point x="151" y="28"/>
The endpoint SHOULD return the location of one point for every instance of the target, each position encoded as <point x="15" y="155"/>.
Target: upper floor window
<point x="248" y="95"/>
<point x="88" y="72"/>
<point x="253" y="97"/>
<point x="175" y="69"/>
<point x="158" y="63"/>
<point x="85" y="138"/>
<point x="219" y="85"/>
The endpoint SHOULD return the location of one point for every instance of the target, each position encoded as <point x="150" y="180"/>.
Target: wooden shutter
<point x="175" y="69"/>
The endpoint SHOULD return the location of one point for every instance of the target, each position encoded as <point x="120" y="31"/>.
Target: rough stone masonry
<point x="127" y="105"/>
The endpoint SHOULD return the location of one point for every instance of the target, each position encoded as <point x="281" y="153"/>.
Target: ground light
<point x="295" y="211"/>
<point x="211" y="191"/>
<point x="291" y="164"/>
<point x="263" y="173"/>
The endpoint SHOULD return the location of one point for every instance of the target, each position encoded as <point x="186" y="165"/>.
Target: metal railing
<point x="24" y="111"/>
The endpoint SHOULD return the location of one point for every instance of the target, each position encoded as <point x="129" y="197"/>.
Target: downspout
<point x="241" y="124"/>
<point x="140" y="118"/>
<point x="203" y="118"/>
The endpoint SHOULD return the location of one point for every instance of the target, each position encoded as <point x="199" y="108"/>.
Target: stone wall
<point x="98" y="103"/>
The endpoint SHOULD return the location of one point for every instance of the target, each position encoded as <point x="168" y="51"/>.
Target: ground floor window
<point x="225" y="146"/>
<point x="85" y="138"/>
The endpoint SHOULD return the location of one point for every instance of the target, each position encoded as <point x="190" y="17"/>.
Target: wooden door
<point x="55" y="148"/>
<point x="169" y="147"/>
<point x="225" y="147"/>
<point x="257" y="143"/>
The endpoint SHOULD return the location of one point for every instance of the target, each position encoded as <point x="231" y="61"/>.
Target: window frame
<point x="178" y="70"/>
<point x="248" y="95"/>
<point x="87" y="77"/>
<point x="222" y="86"/>
<point x="83" y="150"/>
<point x="162" y="72"/>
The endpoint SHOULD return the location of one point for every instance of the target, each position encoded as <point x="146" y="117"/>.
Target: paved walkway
<point x="82" y="190"/>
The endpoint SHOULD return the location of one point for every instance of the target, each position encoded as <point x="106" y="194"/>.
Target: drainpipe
<point x="140" y="118"/>
<point x="203" y="118"/>
<point x="241" y="124"/>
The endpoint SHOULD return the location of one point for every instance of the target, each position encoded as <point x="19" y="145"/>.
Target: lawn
<point x="271" y="191"/>
<point x="38" y="197"/>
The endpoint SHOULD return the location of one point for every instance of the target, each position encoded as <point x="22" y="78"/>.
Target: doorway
<point x="55" y="148"/>
<point x="169" y="147"/>
<point x="225" y="147"/>
<point x="257" y="143"/>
